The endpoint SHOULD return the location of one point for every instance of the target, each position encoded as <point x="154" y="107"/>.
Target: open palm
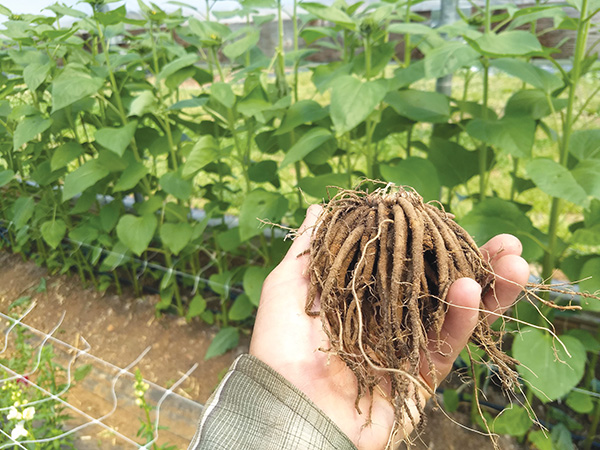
<point x="288" y="340"/>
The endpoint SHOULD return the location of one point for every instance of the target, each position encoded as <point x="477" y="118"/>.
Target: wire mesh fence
<point x="98" y="399"/>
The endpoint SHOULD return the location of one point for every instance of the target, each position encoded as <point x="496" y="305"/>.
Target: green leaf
<point x="540" y="440"/>
<point x="417" y="173"/>
<point x="254" y="277"/>
<point x="223" y="94"/>
<point x="82" y="371"/>
<point x="6" y="176"/>
<point x="142" y="104"/>
<point x="111" y="17"/>
<point x="329" y="13"/>
<point x="451" y="400"/>
<point x="82" y="178"/>
<point x="585" y="144"/>
<point x="495" y="216"/>
<point x="183" y="61"/>
<point x="173" y="184"/>
<point x="43" y="175"/>
<point x="590" y="274"/>
<point x="74" y="83"/>
<point x="317" y="186"/>
<point x="580" y="402"/>
<point x="514" y="135"/>
<point x="226" y="339"/>
<point x="591" y="344"/>
<point x="241" y="46"/>
<point x="53" y="232"/>
<point x="22" y="211"/>
<point x="353" y="100"/>
<point x="326" y="75"/>
<point x="556" y="181"/>
<point x="507" y="43"/>
<point x="587" y="235"/>
<point x="545" y="365"/>
<point x="28" y="129"/>
<point x="109" y="214"/>
<point x="189" y="103"/>
<point x="175" y="80"/>
<point x="221" y="282"/>
<point x="532" y="103"/>
<point x="66" y="11"/>
<point x="24" y="300"/>
<point x="513" y="420"/>
<point x="561" y="438"/>
<point x="118" y="255"/>
<point x="35" y="74"/>
<point x="263" y="205"/>
<point x="309" y="141"/>
<point x="205" y="151"/>
<point x="448" y="58"/>
<point x="131" y="176"/>
<point x="529" y="73"/>
<point x="587" y="175"/>
<point x="64" y="154"/>
<point x="176" y="235"/>
<point x="264" y="171"/>
<point x="420" y="106"/>
<point x="304" y="111"/>
<point x="196" y="307"/>
<point x="241" y="308"/>
<point x="136" y="232"/>
<point x="455" y="164"/>
<point x="116" y="139"/>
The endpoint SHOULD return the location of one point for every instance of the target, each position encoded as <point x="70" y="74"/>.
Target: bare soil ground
<point x="119" y="329"/>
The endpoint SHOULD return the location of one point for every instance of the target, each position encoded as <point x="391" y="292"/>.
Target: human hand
<point x="287" y="339"/>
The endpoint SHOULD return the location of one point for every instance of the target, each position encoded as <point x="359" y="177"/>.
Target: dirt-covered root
<point x="383" y="263"/>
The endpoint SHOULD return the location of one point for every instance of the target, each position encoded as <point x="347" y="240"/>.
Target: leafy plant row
<point x="115" y="132"/>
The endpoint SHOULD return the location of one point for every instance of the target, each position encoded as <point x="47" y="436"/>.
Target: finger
<point x="302" y="240"/>
<point x="464" y="298"/>
<point x="501" y="245"/>
<point x="511" y="275"/>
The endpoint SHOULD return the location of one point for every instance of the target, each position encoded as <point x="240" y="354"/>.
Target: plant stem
<point x="488" y="17"/>
<point x="296" y="48"/>
<point x="215" y="56"/>
<point x="583" y="27"/>
<point x="587" y="445"/>
<point x="367" y="57"/>
<point x="298" y="169"/>
<point x="407" y="48"/>
<point x="409" y="141"/>
<point x="513" y="187"/>
<point x="483" y="148"/>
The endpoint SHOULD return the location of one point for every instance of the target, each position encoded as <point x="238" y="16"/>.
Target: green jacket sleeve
<point x="254" y="407"/>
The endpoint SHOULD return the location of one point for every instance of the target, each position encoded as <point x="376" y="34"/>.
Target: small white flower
<point x="28" y="413"/>
<point x="19" y="431"/>
<point x="14" y="414"/>
<point x="139" y="402"/>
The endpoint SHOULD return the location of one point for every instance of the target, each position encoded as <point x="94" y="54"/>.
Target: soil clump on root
<point x="383" y="263"/>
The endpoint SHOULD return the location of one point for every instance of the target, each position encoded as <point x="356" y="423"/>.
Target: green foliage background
<point x="113" y="131"/>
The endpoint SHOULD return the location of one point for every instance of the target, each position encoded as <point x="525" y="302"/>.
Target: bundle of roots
<point x="383" y="264"/>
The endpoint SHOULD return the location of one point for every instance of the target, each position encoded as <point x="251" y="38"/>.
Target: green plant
<point x="27" y="413"/>
<point x="147" y="427"/>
